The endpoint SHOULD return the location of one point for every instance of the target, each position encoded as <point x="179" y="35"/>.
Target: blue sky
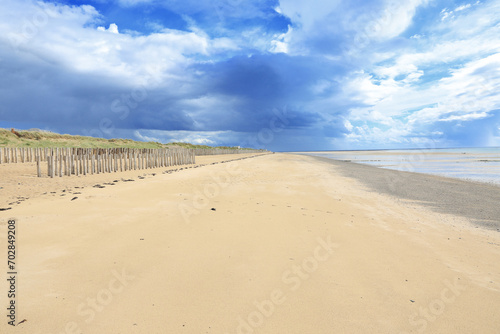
<point x="281" y="75"/>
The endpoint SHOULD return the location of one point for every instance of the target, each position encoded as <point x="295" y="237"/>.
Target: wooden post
<point x="38" y="169"/>
<point x="54" y="164"/>
<point x="109" y="166"/>
<point x="48" y="167"/>
<point x="76" y="164"/>
<point x="65" y="164"/>
<point x="60" y="164"/>
<point x="84" y="163"/>
<point x="51" y="162"/>
<point x="80" y="162"/>
<point x="110" y="162"/>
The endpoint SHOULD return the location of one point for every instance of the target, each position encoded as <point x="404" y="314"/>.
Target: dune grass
<point x="39" y="138"/>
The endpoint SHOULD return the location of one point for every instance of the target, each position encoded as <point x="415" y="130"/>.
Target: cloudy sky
<point x="281" y="75"/>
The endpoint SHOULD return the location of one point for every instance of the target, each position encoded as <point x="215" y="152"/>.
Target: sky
<point x="284" y="75"/>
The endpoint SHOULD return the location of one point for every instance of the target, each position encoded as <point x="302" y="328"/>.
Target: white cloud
<point x="113" y="28"/>
<point x="460" y="8"/>
<point x="280" y="43"/>
<point x="394" y="19"/>
<point x="399" y="95"/>
<point x="210" y="138"/>
<point x="305" y="14"/>
<point x="469" y="94"/>
<point x="450" y="14"/>
<point x="65" y="35"/>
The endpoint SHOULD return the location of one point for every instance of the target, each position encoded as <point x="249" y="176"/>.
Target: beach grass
<point x="41" y="138"/>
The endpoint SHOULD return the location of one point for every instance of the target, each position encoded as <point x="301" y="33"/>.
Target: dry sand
<point x="274" y="244"/>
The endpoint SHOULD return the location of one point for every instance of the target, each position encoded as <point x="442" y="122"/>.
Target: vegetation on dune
<point x="41" y="138"/>
<point x="188" y="145"/>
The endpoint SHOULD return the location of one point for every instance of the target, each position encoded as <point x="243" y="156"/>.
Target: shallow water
<point x="476" y="164"/>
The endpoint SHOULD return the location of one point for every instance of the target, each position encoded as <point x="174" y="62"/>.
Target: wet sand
<point x="479" y="202"/>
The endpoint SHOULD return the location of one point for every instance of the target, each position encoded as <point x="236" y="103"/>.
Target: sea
<point x="473" y="164"/>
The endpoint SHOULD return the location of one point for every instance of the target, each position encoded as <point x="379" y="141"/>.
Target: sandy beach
<point x="277" y="243"/>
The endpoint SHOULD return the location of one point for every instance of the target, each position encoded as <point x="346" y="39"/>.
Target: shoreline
<point x="474" y="200"/>
<point x="481" y="165"/>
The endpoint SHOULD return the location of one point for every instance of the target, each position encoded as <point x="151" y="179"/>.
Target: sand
<point x="278" y="243"/>
<point x="19" y="182"/>
<point x="477" y="201"/>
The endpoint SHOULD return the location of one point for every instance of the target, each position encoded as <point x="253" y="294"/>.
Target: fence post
<point x="38" y="169"/>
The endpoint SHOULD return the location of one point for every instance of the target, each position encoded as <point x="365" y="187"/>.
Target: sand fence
<point x="82" y="161"/>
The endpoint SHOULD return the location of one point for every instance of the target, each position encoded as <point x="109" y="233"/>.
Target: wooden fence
<point x="14" y="155"/>
<point x="83" y="161"/>
<point x="24" y="154"/>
